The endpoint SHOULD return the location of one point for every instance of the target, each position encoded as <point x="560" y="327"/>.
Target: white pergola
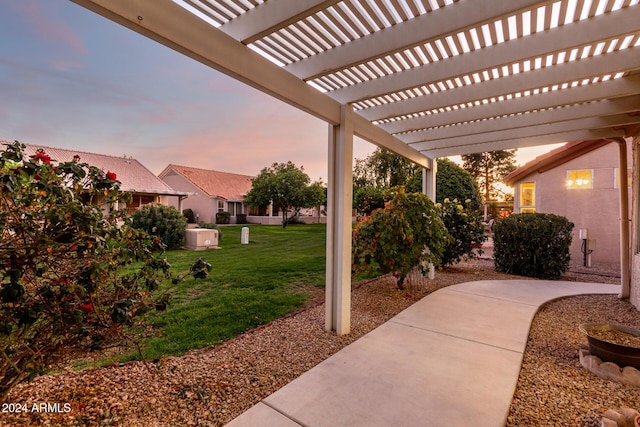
<point x="422" y="78"/>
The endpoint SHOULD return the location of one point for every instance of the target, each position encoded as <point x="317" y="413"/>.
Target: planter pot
<point x="619" y="354"/>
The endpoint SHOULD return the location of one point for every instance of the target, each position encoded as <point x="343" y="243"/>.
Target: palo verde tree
<point x="407" y="233"/>
<point x="489" y="168"/>
<point x="72" y="277"/>
<point x="287" y="187"/>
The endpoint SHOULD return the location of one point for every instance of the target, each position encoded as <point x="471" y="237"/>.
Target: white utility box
<point x="199" y="239"/>
<point x="244" y="237"/>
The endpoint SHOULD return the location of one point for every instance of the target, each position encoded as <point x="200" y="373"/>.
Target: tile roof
<point x="134" y="177"/>
<point x="554" y="158"/>
<point x="229" y="186"/>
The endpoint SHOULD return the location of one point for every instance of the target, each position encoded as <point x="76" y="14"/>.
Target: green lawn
<point x="249" y="285"/>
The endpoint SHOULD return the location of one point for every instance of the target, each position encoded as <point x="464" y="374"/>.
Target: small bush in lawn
<point x="241" y="218"/>
<point x="162" y="221"/>
<point x="532" y="245"/>
<point x="188" y="213"/>
<point x="464" y="224"/>
<point x="223" y="217"/>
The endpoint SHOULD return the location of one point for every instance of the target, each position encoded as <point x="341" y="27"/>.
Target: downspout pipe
<point x="625" y="264"/>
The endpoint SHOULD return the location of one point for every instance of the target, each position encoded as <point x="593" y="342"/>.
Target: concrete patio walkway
<point x="451" y="359"/>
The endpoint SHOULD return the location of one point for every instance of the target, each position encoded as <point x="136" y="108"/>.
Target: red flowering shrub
<point x="71" y="277"/>
<point x="397" y="236"/>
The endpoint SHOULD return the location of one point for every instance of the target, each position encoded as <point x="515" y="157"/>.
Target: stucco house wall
<point x="596" y="209"/>
<point x="210" y="191"/>
<point x="200" y="203"/>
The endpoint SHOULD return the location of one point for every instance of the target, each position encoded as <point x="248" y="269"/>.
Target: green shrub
<point x="189" y="215"/>
<point x="211" y="226"/>
<point x="464" y="224"/>
<point x="368" y="199"/>
<point x="162" y="221"/>
<point x="241" y="218"/>
<point x="532" y="245"/>
<point x="407" y="233"/>
<point x="223" y="217"/>
<point x="453" y="182"/>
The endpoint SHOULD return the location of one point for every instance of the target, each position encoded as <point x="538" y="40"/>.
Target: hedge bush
<point x="188" y="213"/>
<point x="223" y="217"/>
<point x="162" y="221"/>
<point x="532" y="245"/>
<point x="241" y="218"/>
<point x="464" y="224"/>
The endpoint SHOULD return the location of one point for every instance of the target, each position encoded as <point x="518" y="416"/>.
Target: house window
<point x="235" y="208"/>
<point x="527" y="197"/>
<point x="580" y="179"/>
<point x="220" y="205"/>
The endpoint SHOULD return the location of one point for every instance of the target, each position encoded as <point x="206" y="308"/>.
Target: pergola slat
<point x="625" y="60"/>
<point x="419" y="30"/>
<point x="558" y="39"/>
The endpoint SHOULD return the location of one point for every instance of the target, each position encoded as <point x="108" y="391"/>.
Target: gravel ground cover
<point x="213" y="386"/>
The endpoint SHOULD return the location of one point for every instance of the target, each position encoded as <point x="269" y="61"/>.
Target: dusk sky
<point x="72" y="79"/>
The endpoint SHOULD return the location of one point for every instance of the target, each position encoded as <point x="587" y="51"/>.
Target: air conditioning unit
<point x="199" y="239"/>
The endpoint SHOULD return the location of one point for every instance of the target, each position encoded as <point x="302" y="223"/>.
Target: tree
<point x="384" y="169"/>
<point x="368" y="199"/>
<point x="407" y="233"/>
<point x="72" y="276"/>
<point x="489" y="168"/>
<point x="453" y="182"/>
<point x="287" y="187"/>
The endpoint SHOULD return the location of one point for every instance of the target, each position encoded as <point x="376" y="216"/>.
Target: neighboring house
<point x="144" y="186"/>
<point x="579" y="181"/>
<point x="212" y="191"/>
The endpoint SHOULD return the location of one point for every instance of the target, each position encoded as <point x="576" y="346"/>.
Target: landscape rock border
<point x="609" y="370"/>
<point x="623" y="417"/>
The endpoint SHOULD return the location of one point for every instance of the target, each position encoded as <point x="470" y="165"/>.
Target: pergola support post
<point x="625" y="265"/>
<point x="339" y="204"/>
<point x="429" y="180"/>
<point x="429" y="188"/>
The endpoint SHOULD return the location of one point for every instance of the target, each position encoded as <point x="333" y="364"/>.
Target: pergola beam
<point x="453" y="18"/>
<point x="173" y="26"/>
<point x="614" y="88"/>
<point x="584" y="69"/>
<point x="269" y="17"/>
<point x="550" y="138"/>
<point x="539" y="130"/>
<point x="573" y="112"/>
<point x="549" y="42"/>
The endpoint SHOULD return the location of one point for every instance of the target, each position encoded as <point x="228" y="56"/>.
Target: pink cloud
<point x="46" y="25"/>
